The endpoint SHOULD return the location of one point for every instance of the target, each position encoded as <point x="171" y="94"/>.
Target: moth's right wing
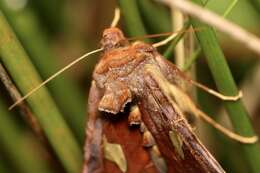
<point x="176" y="141"/>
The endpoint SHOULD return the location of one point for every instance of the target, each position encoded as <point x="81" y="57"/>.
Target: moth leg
<point x="158" y="159"/>
<point x="215" y="93"/>
<point x="177" y="77"/>
<point x="185" y="104"/>
<point x="225" y="131"/>
<point x="148" y="141"/>
<point x="134" y="117"/>
<point x="150" y="144"/>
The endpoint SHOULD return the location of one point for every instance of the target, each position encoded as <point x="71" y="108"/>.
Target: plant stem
<point x="169" y="51"/>
<point x="27" y="114"/>
<point x="35" y="41"/>
<point x="230" y="7"/>
<point x="51" y="13"/>
<point x="178" y="23"/>
<point x="226" y="85"/>
<point x="195" y="55"/>
<point x="25" y="76"/>
<point x="132" y="17"/>
<point x="13" y="142"/>
<point x="3" y="166"/>
<point x="191" y="59"/>
<point x="155" y="17"/>
<point x="256" y="5"/>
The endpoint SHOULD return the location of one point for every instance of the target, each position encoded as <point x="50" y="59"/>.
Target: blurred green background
<point x="55" y="32"/>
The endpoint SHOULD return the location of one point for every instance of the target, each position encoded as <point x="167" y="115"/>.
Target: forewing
<point x="122" y="142"/>
<point x="93" y="154"/>
<point x="163" y="117"/>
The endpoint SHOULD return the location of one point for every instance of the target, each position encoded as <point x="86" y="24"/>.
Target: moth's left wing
<point x="111" y="145"/>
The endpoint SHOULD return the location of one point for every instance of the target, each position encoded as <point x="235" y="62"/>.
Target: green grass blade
<point x="51" y="13"/>
<point x="169" y="51"/>
<point x="226" y="85"/>
<point x="35" y="41"/>
<point x="12" y="142"/>
<point x="230" y="8"/>
<point x="3" y="166"/>
<point x="25" y="76"/>
<point x="197" y="52"/>
<point x="190" y="60"/>
<point x="156" y="18"/>
<point x="132" y="18"/>
<point x="256" y="5"/>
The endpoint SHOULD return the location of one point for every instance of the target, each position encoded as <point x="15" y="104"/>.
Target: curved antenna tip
<point x="116" y="17"/>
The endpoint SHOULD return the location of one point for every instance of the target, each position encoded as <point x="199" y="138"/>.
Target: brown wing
<point x="93" y="154"/>
<point x="171" y="71"/>
<point x="161" y="117"/>
<point x="183" y="153"/>
<point x="117" y="131"/>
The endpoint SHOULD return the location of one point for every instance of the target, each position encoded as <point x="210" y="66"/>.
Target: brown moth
<point x="136" y="75"/>
<point x="137" y="109"/>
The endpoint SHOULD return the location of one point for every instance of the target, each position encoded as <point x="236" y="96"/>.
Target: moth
<point x="135" y="75"/>
<point x="136" y="111"/>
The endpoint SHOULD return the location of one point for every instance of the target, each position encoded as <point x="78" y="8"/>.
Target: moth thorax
<point x="113" y="38"/>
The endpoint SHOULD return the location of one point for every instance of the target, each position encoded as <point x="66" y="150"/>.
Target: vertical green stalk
<point x="230" y="7"/>
<point x="156" y="18"/>
<point x="17" y="150"/>
<point x="132" y="18"/>
<point x="3" y="167"/>
<point x="169" y="51"/>
<point x="190" y="60"/>
<point x="35" y="41"/>
<point x="256" y="5"/>
<point x="51" y="13"/>
<point x="197" y="52"/>
<point x="25" y="76"/>
<point x="225" y="83"/>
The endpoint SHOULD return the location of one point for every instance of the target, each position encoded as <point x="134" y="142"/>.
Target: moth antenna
<point x="181" y="98"/>
<point x="116" y="17"/>
<point x="151" y="36"/>
<point x="171" y="37"/>
<point x="54" y="76"/>
<point x="164" y="34"/>
<point x="165" y="41"/>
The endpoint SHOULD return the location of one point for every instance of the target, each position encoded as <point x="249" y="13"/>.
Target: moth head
<point x="113" y="38"/>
